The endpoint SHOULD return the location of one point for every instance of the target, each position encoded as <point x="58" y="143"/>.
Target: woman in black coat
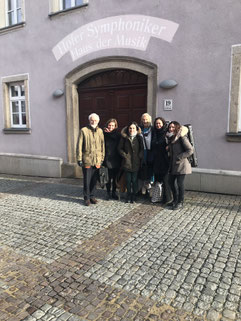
<point x="160" y="159"/>
<point x="112" y="157"/>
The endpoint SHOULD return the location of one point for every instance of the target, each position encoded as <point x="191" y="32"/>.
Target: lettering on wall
<point x="126" y="31"/>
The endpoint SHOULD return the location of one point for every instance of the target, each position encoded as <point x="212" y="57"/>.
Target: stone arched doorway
<point x="117" y="93"/>
<point x="81" y="74"/>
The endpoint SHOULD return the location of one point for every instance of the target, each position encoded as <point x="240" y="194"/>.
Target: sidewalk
<point x="60" y="260"/>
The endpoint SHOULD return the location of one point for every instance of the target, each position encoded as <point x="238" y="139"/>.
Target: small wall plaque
<point x="167" y="104"/>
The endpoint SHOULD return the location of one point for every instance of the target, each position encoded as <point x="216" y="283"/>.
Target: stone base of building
<point x="201" y="180"/>
<point x="214" y="181"/>
<point x="30" y="165"/>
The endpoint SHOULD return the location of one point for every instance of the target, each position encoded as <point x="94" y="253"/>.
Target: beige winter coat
<point x="91" y="146"/>
<point x="180" y="148"/>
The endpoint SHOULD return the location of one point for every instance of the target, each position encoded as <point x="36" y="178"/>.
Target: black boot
<point x="173" y="203"/>
<point x="114" y="195"/>
<point x="128" y="198"/>
<point x="108" y="196"/>
<point x="133" y="198"/>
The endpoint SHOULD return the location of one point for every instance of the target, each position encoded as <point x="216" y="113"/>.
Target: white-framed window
<point x="234" y="125"/>
<point x="66" y="4"/>
<point x="14" y="12"/>
<point x="57" y="6"/>
<point x="16" y="104"/>
<point x="11" y="14"/>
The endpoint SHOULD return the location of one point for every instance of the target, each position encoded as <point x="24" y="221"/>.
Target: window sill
<point x="12" y="27"/>
<point x="17" y="130"/>
<point x="52" y="14"/>
<point x="233" y="137"/>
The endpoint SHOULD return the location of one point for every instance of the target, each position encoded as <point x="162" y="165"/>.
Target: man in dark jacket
<point x="90" y="156"/>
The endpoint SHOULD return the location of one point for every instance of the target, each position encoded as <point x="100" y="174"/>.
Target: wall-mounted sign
<point x="167" y="104"/>
<point x="126" y="31"/>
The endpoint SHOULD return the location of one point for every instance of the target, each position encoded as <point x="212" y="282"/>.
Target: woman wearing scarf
<point x="179" y="149"/>
<point x="160" y="158"/>
<point x="112" y="158"/>
<point x="146" y="132"/>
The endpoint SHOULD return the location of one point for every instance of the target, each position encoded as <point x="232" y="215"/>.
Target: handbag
<point x="103" y="176"/>
<point x="156" y="193"/>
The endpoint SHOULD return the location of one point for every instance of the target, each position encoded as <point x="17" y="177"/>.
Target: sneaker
<point x="177" y="206"/>
<point x="93" y="201"/>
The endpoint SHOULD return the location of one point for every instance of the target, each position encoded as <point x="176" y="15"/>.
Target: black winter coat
<point x="161" y="160"/>
<point x="112" y="156"/>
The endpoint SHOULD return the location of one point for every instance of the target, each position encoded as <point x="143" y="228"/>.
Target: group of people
<point x="146" y="154"/>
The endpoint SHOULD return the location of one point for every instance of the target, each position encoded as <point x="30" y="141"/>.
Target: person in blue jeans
<point x="147" y="134"/>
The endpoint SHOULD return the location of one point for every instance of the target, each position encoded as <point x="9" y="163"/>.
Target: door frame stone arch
<point x="88" y="69"/>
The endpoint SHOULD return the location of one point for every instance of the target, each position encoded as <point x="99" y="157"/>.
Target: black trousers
<point x="177" y="186"/>
<point x="112" y="172"/>
<point x="90" y="180"/>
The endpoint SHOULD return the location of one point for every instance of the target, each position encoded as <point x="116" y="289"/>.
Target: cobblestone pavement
<point x="60" y="260"/>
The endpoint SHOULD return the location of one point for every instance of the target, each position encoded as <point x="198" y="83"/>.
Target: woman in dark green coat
<point x="131" y="150"/>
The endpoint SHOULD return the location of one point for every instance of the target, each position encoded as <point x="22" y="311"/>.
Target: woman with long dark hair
<point x="160" y="158"/>
<point x="131" y="150"/>
<point x="112" y="158"/>
<point x="179" y="149"/>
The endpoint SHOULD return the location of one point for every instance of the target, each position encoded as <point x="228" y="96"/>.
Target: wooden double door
<point x="118" y="93"/>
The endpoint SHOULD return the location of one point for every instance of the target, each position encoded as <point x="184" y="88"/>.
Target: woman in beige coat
<point x="179" y="149"/>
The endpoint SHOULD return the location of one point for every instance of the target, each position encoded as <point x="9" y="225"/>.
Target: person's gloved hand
<point x="80" y="163"/>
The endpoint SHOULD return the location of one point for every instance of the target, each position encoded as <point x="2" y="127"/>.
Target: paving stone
<point x="229" y="314"/>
